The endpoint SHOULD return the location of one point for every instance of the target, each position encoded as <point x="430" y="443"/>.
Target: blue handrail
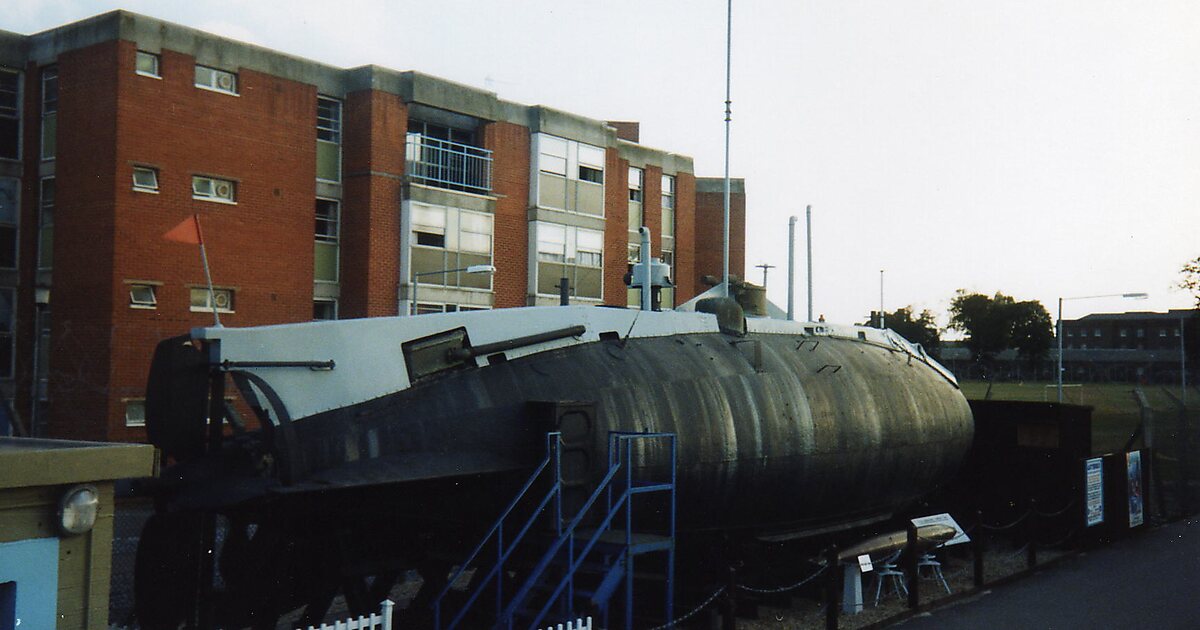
<point x="553" y="444"/>
<point x="617" y="440"/>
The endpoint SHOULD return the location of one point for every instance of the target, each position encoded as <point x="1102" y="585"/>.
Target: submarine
<point x="358" y="449"/>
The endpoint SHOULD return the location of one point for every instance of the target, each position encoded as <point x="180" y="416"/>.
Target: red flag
<point x="188" y="231"/>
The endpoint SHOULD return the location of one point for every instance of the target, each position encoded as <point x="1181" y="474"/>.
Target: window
<point x="668" y="208"/>
<point x="10" y="114"/>
<point x="1141" y="332"/>
<point x="324" y="309"/>
<point x="135" y="413"/>
<point x="147" y="64"/>
<point x="1124" y="332"/>
<point x="634" y="254"/>
<point x="216" y="80"/>
<point x="571" y="252"/>
<point x="1096" y="333"/>
<point x="552" y="155"/>
<point x="635" y="184"/>
<point x="142" y="296"/>
<point x="428" y="226"/>
<point x="1162" y="333"/>
<point x="203" y="301"/>
<point x="445" y="237"/>
<point x="49" y="112"/>
<point x="46" y="224"/>
<point x="1176" y="332"/>
<point x="145" y="179"/>
<point x="212" y="189"/>
<point x="329" y="138"/>
<point x="9" y="213"/>
<point x="326" y="252"/>
<point x="1070" y="333"/>
<point x="570" y="175"/>
<point x="8" y="303"/>
<point x="591" y="164"/>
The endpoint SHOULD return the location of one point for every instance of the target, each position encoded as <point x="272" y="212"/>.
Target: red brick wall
<point x="510" y="184"/>
<point x="709" y="235"/>
<point x="83" y="330"/>
<point x="616" y="228"/>
<point x="375" y="125"/>
<point x="685" y="238"/>
<point x="106" y="233"/>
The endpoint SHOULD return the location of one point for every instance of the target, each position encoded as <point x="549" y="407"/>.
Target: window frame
<point x="49" y="107"/>
<point x="137" y="66"/>
<point x="333" y="130"/>
<point x="16" y="222"/>
<point x="16" y="110"/>
<point x="639" y="189"/>
<point x="231" y="199"/>
<point x="135" y="302"/>
<point x="11" y="368"/>
<point x="43" y="223"/>
<point x="154" y="189"/>
<point x="131" y="403"/>
<point x="212" y="84"/>
<point x="330" y="301"/>
<point x="209" y="298"/>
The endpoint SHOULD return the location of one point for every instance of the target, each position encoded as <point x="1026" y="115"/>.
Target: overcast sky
<point x="1041" y="149"/>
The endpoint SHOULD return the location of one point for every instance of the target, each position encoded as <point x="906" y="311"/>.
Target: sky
<point x="1040" y="149"/>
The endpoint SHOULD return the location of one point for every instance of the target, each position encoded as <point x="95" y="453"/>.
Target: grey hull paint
<point x="774" y="430"/>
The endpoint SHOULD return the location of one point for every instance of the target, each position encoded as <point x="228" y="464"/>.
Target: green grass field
<point x="1115" y="412"/>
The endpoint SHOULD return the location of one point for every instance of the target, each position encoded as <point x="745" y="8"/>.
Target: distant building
<point x="323" y="193"/>
<point x="1133" y="347"/>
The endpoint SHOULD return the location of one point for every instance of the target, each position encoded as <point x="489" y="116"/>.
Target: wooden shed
<point x="56" y="529"/>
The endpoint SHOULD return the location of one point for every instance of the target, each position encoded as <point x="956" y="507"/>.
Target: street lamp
<point x="1059" y="332"/>
<point x="471" y="269"/>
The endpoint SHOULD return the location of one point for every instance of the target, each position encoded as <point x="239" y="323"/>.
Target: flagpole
<point x="212" y="294"/>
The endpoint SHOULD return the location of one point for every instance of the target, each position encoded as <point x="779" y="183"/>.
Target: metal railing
<point x="446" y="164"/>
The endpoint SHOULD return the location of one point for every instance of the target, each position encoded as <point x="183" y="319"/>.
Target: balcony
<point x="450" y="165"/>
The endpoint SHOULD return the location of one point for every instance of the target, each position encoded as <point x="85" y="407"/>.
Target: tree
<point x="919" y="329"/>
<point x="994" y="324"/>
<point x="1191" y="278"/>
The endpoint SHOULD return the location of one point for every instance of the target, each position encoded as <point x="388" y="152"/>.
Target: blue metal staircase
<point x="591" y="553"/>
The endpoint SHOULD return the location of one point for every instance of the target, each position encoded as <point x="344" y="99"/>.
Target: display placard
<point x="1133" y="465"/>
<point x="1094" y="490"/>
<point x="944" y="519"/>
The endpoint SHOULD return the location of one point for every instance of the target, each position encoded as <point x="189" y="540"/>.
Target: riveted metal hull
<point x="774" y="430"/>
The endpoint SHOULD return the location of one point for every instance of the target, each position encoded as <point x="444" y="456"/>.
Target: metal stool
<point x="885" y="569"/>
<point x="935" y="569"/>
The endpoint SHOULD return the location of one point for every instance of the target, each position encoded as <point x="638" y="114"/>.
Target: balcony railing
<point x="447" y="164"/>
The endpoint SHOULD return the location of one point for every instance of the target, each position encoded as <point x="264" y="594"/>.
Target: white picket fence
<point x="381" y="621"/>
<point x="578" y="624"/>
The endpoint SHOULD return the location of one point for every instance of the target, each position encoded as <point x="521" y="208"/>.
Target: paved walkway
<point x="1151" y="580"/>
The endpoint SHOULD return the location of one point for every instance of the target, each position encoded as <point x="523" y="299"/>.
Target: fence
<point x="381" y="621"/>
<point x="578" y="624"/>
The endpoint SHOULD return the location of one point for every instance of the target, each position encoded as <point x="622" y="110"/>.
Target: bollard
<point x="977" y="549"/>
<point x="1031" y="534"/>
<point x="910" y="567"/>
<point x="833" y="589"/>
<point x="729" y="614"/>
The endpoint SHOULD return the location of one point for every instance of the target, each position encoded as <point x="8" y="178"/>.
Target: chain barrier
<point x="1011" y="525"/>
<point x="782" y="589"/>
<point x="1070" y="504"/>
<point x="1069" y="536"/>
<point x="692" y="613"/>
<point x="1020" y="551"/>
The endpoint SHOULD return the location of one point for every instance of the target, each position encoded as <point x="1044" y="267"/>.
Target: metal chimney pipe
<point x="791" y="313"/>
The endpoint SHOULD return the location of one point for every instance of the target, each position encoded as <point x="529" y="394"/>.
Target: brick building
<point x="323" y="193"/>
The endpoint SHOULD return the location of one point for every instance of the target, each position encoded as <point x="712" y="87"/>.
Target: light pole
<point x="1059" y="330"/>
<point x="471" y="269"/>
